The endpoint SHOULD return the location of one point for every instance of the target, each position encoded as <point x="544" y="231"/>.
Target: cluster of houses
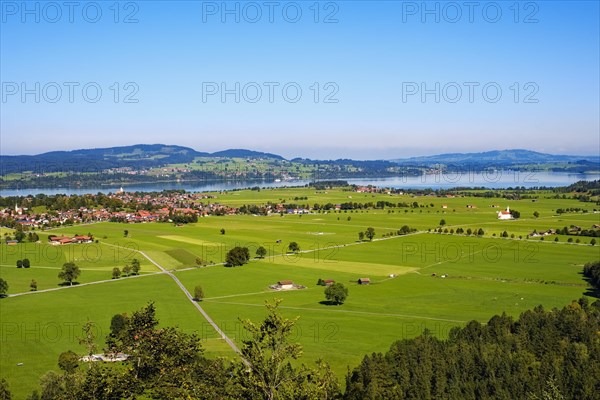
<point x="155" y="208"/>
<point x="548" y="232"/>
<point x="61" y="240"/>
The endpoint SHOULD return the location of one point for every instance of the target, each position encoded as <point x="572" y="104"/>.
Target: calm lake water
<point x="491" y="180"/>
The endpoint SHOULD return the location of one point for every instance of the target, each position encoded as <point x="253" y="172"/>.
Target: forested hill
<point x="138" y="156"/>
<point x="545" y="354"/>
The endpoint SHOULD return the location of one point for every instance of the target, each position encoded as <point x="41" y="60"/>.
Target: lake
<point x="491" y="180"/>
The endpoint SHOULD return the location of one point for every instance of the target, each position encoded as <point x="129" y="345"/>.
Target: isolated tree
<point x="135" y="266"/>
<point x="222" y="231"/>
<point x="270" y="374"/>
<point x="442" y="222"/>
<point x="480" y="232"/>
<point x="515" y="214"/>
<point x="19" y="263"/>
<point x="33" y="285"/>
<point x="88" y="339"/>
<point x="370" y="233"/>
<point x="198" y="293"/>
<point x="261" y="252"/>
<point x="26" y="263"/>
<point x="125" y="233"/>
<point x="68" y="361"/>
<point x="593" y="241"/>
<point x="469" y="231"/>
<point x="116" y="273"/>
<point x="237" y="256"/>
<point x="69" y="272"/>
<point x="536" y="214"/>
<point x="293" y="247"/>
<point x="361" y="236"/>
<point x="199" y="261"/>
<point x="336" y="293"/>
<point x="3" y="287"/>
<point x="127" y="270"/>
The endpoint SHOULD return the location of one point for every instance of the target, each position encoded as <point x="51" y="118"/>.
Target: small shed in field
<point x="364" y="281"/>
<point x="286" y="284"/>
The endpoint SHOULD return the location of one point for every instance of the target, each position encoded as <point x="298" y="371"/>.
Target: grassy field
<point x="421" y="280"/>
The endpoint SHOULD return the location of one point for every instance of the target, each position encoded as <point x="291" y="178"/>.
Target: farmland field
<point x="420" y="280"/>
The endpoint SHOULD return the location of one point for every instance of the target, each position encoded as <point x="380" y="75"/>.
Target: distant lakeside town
<point x="43" y="212"/>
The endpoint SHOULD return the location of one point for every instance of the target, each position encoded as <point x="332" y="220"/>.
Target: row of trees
<point x="128" y="269"/>
<point x="460" y="231"/>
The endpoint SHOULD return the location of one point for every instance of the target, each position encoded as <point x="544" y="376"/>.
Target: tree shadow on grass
<point x="66" y="284"/>
<point x="329" y="303"/>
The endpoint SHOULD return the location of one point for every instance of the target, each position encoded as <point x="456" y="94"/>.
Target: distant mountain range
<point x="497" y="157"/>
<point x="155" y="155"/>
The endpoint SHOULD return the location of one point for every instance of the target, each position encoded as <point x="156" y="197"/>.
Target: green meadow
<point x="421" y="280"/>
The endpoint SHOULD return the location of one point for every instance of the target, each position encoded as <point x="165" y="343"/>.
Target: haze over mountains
<point x="154" y="155"/>
<point x="515" y="156"/>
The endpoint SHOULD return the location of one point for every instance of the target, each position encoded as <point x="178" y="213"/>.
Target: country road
<point x="195" y="303"/>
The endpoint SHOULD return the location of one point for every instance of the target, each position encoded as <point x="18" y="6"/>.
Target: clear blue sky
<point x="377" y="58"/>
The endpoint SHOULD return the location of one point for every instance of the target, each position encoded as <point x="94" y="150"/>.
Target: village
<point x="172" y="206"/>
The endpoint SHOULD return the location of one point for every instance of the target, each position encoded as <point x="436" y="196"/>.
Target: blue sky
<point x="378" y="79"/>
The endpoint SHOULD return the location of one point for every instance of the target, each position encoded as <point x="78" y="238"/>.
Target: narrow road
<point x="195" y="303"/>
<point x="81" y="284"/>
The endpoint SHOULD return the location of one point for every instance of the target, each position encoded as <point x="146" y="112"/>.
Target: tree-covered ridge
<point x="543" y="354"/>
